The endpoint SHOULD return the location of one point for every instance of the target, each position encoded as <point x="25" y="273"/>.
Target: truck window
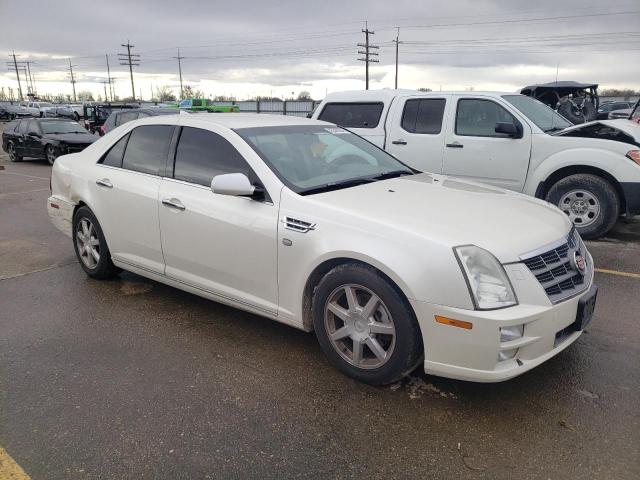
<point x="422" y="115"/>
<point x="353" y="115"/>
<point x="196" y="103"/>
<point x="478" y="118"/>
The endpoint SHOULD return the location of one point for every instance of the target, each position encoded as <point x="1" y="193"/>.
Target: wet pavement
<point x="133" y="379"/>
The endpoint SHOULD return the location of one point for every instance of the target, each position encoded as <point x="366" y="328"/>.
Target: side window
<point x="202" y="154"/>
<point x="185" y="103"/>
<point x="352" y="115"/>
<point x="196" y="103"/>
<point x="113" y="157"/>
<point x="423" y="115"/>
<point x="148" y="148"/>
<point x="478" y="118"/>
<point x="127" y="117"/>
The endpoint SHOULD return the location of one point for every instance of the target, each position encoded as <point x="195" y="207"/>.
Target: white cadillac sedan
<point x="308" y="224"/>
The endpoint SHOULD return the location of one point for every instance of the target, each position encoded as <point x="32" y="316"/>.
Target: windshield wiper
<point x="327" y="187"/>
<point x="391" y="174"/>
<point x="553" y="129"/>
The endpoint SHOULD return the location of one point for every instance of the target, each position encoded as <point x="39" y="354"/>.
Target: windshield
<point x="46" y="104"/>
<point x="61" y="127"/>
<point x="314" y="158"/>
<point x="544" y="117"/>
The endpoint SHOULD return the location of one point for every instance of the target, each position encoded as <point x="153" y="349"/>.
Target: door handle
<point x="399" y="142"/>
<point x="173" y="203"/>
<point x="105" y="182"/>
<point x="455" y="145"/>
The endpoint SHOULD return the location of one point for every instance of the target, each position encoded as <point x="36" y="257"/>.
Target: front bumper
<point x="472" y="354"/>
<point x="632" y="197"/>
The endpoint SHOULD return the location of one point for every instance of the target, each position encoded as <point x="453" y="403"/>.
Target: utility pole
<point x="179" y="58"/>
<point x="368" y="53"/>
<point x="130" y="59"/>
<point x="15" y="66"/>
<point x="109" y="78"/>
<point x="33" y="85"/>
<point x="397" y="42"/>
<point x="73" y="81"/>
<point x="104" y="83"/>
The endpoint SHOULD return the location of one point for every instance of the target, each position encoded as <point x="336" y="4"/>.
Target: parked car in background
<point x="605" y="110"/>
<point x="61" y="111"/>
<point x="590" y="171"/>
<point x="205" y="105"/>
<point x="306" y="223"/>
<point x="45" y="138"/>
<point x="15" y="111"/>
<point x="577" y="102"/>
<point x="120" y="117"/>
<point x="95" y="114"/>
<point x="38" y="109"/>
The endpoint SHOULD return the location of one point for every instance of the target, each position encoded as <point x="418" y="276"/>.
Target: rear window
<point x="11" y="126"/>
<point x="113" y="158"/>
<point x="423" y="115"/>
<point x="148" y="148"/>
<point x="353" y="115"/>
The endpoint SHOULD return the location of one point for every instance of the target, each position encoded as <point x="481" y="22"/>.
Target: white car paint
<point x="238" y="251"/>
<point x="524" y="165"/>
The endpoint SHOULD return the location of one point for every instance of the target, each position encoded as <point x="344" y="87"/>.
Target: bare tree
<point x="304" y="95"/>
<point x="165" y="94"/>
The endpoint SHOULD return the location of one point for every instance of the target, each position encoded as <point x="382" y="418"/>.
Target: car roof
<point x="387" y="95"/>
<point x="229" y="120"/>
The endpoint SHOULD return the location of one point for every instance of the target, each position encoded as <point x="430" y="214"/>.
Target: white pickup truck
<point x="590" y="171"/>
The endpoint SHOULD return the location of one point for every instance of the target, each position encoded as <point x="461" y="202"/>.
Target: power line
<point x="130" y="59"/>
<point x="368" y="54"/>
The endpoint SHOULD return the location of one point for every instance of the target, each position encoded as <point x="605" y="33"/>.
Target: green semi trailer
<point x="205" y="105"/>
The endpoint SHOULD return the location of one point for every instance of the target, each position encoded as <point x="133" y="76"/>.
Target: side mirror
<point x="508" y="129"/>
<point x="34" y="134"/>
<point x="234" y="184"/>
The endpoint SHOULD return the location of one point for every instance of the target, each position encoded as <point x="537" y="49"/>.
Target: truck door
<point x="416" y="133"/>
<point x="476" y="151"/>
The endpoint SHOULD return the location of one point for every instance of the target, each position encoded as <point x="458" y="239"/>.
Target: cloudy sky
<point x="281" y="47"/>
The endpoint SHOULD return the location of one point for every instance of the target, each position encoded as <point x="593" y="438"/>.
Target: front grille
<point x="555" y="268"/>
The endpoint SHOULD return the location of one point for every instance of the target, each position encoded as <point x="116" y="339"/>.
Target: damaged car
<point x="575" y="101"/>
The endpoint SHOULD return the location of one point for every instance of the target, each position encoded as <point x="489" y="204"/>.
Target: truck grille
<point x="556" y="270"/>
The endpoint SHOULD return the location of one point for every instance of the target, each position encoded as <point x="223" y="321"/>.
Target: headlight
<point x="488" y="283"/>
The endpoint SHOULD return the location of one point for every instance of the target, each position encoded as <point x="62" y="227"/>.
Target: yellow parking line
<point x="616" y="272"/>
<point x="9" y="469"/>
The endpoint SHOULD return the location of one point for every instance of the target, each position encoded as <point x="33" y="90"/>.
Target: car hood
<point x="630" y="128"/>
<point x="453" y="212"/>
<point x="72" y="137"/>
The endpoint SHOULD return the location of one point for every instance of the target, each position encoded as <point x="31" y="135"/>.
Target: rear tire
<point x="365" y="326"/>
<point x="91" y="247"/>
<point x="589" y="201"/>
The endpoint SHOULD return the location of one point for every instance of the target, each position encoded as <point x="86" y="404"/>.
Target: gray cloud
<point x="286" y="43"/>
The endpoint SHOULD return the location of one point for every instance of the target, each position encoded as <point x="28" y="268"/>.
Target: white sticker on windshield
<point x="336" y="131"/>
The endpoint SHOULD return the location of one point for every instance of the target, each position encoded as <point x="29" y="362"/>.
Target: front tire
<point x="13" y="156"/>
<point x="590" y="202"/>
<point x="91" y="247"/>
<point x="50" y="154"/>
<point x="365" y="327"/>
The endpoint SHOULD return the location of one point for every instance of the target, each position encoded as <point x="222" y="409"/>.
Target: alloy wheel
<point x="12" y="152"/>
<point x="87" y="243"/>
<point x="581" y="206"/>
<point x="51" y="155"/>
<point x="359" y="326"/>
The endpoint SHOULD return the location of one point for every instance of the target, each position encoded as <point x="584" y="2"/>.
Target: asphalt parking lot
<point x="132" y="379"/>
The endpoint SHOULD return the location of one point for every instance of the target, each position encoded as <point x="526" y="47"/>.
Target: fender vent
<point x="298" y="225"/>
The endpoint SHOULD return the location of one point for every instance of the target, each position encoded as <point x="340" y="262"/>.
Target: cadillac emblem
<point x="579" y="262"/>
